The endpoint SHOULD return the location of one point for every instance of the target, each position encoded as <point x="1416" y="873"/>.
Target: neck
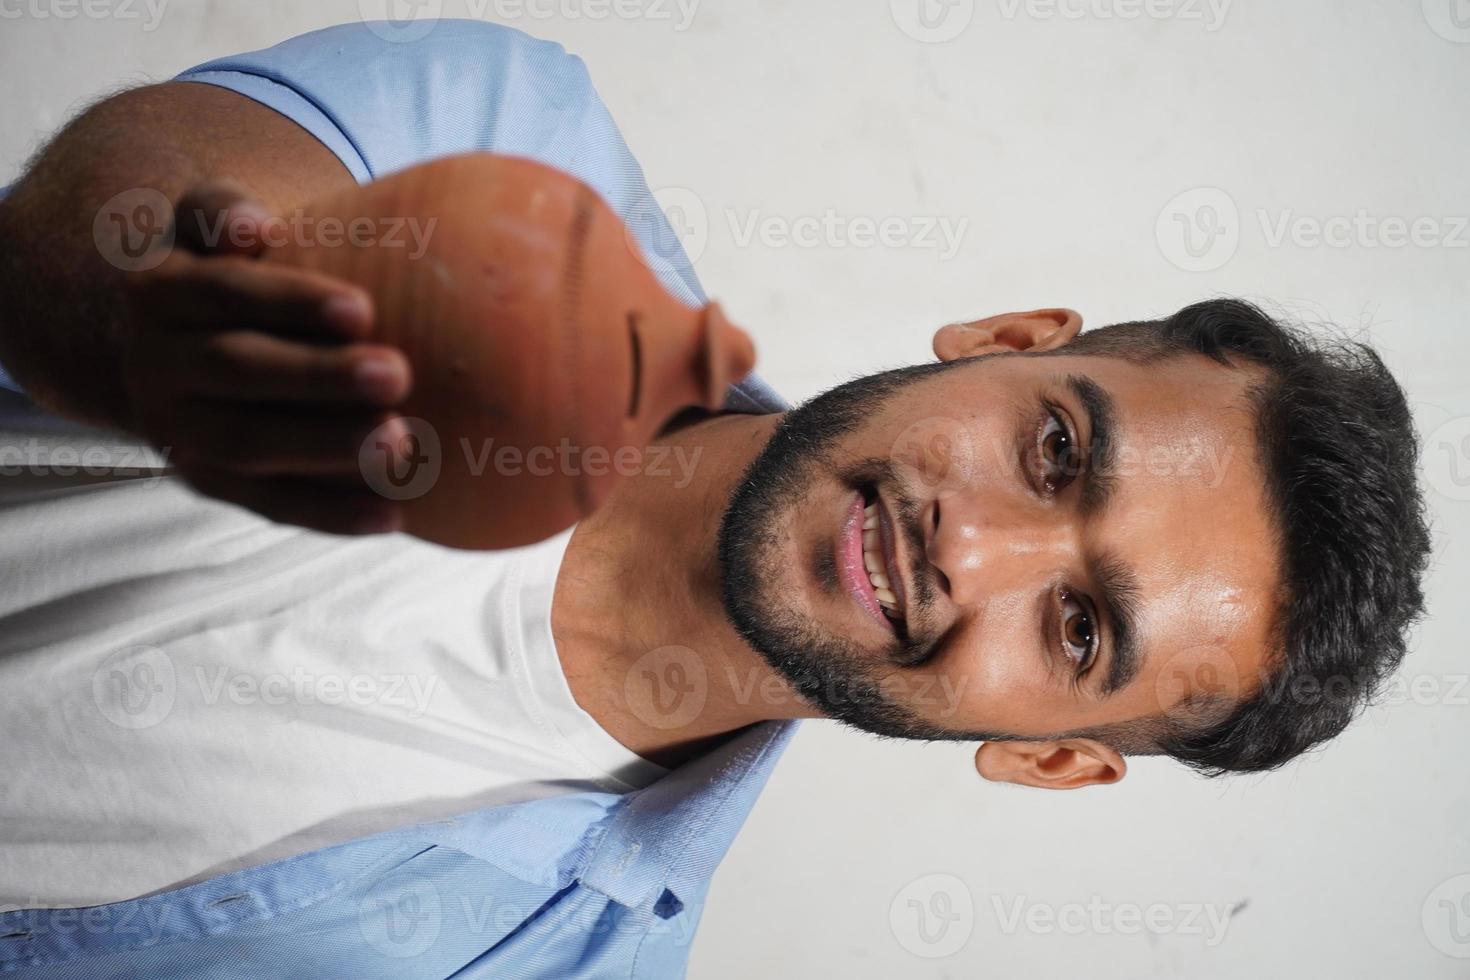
<point x="637" y="615"/>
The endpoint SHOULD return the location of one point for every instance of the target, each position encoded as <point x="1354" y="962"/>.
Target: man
<point x="367" y="756"/>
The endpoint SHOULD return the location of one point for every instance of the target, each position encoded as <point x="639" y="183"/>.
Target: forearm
<point x="63" y="324"/>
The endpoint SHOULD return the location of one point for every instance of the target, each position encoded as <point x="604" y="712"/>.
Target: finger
<point x="317" y="504"/>
<point x="220" y="218"/>
<point x="245" y="439"/>
<point x="247" y="366"/>
<point x="189" y="293"/>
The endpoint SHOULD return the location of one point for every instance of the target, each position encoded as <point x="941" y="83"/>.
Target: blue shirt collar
<point x="672" y="834"/>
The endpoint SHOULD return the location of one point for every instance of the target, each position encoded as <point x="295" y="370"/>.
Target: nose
<point x="984" y="545"/>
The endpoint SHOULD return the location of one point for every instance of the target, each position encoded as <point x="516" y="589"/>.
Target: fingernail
<point x="378" y="379"/>
<point x="249" y="211"/>
<point x="349" y="310"/>
<point x="395" y="433"/>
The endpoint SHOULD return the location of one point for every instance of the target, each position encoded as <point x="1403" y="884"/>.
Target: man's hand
<point x="258" y="379"/>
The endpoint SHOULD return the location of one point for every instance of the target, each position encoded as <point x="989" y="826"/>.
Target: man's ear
<point x="1069" y="764"/>
<point x="1035" y="331"/>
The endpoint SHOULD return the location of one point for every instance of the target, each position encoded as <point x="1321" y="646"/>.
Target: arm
<point x="377" y="107"/>
<point x="209" y="353"/>
<point x="62" y="332"/>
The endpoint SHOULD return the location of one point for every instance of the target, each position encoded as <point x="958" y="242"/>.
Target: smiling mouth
<point x="868" y="561"/>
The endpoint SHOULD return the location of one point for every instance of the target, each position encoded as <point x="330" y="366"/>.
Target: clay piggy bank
<point x="546" y="356"/>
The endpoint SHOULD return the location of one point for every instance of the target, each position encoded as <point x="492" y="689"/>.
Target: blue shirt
<point x="580" y="885"/>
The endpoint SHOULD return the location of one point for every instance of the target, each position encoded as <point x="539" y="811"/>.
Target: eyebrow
<point x="1116" y="583"/>
<point x="1118" y="593"/>
<point x="1099" y="481"/>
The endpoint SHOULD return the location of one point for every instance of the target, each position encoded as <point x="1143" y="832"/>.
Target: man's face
<point x="1062" y="542"/>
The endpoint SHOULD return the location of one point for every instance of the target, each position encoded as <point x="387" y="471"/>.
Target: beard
<point x="828" y="671"/>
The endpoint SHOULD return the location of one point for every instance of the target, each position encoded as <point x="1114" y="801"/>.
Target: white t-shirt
<point x="187" y="689"/>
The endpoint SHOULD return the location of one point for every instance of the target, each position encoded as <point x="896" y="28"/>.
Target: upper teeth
<point x="873" y="560"/>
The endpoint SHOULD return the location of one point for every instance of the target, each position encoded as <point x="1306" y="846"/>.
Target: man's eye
<point x="1079" y="631"/>
<point x="1060" y="458"/>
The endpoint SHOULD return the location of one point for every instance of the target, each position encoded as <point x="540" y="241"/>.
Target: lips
<point x="850" y="563"/>
<point x="868" y="562"/>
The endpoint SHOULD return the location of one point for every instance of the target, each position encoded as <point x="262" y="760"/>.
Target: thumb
<point x="220" y="218"/>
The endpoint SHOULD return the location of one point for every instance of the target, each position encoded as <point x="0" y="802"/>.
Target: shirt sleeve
<point x="382" y="103"/>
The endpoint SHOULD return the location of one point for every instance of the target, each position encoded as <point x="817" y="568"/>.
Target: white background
<point x="1061" y="134"/>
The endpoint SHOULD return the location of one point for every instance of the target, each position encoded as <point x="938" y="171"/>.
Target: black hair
<point x="1336" y="442"/>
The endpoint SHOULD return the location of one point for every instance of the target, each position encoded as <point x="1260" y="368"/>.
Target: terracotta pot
<point x="545" y="354"/>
